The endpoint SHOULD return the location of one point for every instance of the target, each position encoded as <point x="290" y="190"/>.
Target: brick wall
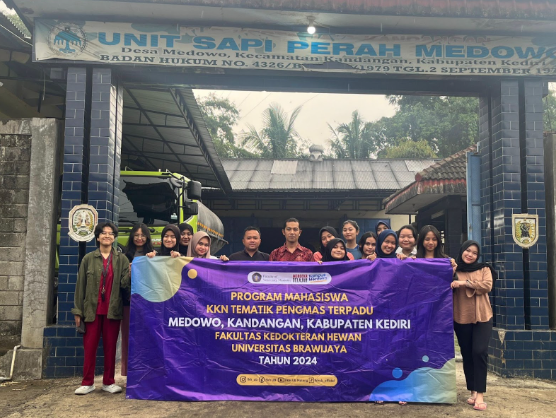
<point x="512" y="182"/>
<point x="15" y="155"/>
<point x="92" y="152"/>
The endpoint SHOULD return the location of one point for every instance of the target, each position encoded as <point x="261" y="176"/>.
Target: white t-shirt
<point x="413" y="252"/>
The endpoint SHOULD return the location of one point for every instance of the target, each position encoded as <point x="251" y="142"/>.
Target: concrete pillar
<point x="40" y="244"/>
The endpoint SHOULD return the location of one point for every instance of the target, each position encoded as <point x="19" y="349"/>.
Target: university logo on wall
<point x="82" y="222"/>
<point x="67" y="40"/>
<point x="525" y="229"/>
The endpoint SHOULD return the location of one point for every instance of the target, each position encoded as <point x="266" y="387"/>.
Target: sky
<point x="318" y="110"/>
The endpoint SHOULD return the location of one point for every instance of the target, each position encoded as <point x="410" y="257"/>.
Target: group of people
<point x="102" y="295"/>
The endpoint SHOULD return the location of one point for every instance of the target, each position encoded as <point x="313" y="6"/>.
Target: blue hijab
<point x="381" y="238"/>
<point x="382" y="221"/>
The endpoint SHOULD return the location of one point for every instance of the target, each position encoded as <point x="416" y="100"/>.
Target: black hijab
<point x="183" y="226"/>
<point x="327" y="256"/>
<point x="381" y="238"/>
<point x="465" y="267"/>
<point x="332" y="232"/>
<point x="166" y="251"/>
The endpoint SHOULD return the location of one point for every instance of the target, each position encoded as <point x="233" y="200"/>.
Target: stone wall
<point x="15" y="155"/>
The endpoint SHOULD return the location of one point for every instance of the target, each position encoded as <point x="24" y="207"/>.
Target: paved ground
<point x="506" y="398"/>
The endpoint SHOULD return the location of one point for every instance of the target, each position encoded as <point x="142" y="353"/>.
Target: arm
<point x="125" y="278"/>
<point x="80" y="288"/>
<point x="481" y="283"/>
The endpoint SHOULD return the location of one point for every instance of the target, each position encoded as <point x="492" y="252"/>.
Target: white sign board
<point x="210" y="47"/>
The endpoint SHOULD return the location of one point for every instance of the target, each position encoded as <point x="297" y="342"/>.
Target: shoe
<point x="83" y="390"/>
<point x="113" y="388"/>
<point x="403" y="403"/>
<point x="481" y="406"/>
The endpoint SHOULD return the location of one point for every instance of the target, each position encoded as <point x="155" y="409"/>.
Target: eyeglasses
<point x="107" y="233"/>
<point x="140" y="236"/>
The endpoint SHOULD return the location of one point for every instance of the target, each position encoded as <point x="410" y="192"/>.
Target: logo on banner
<point x="525" y="229"/>
<point x="289" y="278"/>
<point x="82" y="222"/>
<point x="67" y="40"/>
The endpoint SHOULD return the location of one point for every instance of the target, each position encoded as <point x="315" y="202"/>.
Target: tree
<point x="278" y="138"/>
<point x="221" y="115"/>
<point x="353" y="139"/>
<point x="447" y="124"/>
<point x="549" y="117"/>
<point x="409" y="149"/>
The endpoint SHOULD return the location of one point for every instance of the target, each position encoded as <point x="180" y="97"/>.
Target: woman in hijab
<point x="199" y="247"/>
<point x="326" y="234"/>
<point x="186" y="232"/>
<point x="381" y="226"/>
<point x="170" y="242"/>
<point x="335" y="250"/>
<point x="473" y="318"/>
<point x="387" y="244"/>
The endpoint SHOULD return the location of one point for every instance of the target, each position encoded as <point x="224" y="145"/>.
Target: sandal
<point x="403" y="403"/>
<point x="379" y="402"/>
<point x="481" y="406"/>
<point x="471" y="401"/>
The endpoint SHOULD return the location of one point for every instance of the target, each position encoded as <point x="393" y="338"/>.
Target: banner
<point x="346" y="331"/>
<point x="236" y="48"/>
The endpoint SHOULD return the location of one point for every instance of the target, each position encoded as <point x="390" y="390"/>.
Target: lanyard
<point x="104" y="275"/>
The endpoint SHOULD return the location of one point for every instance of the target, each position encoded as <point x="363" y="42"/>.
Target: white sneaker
<point x="113" y="388"/>
<point x="83" y="390"/>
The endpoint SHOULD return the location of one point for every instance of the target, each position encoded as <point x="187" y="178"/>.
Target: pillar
<point x="512" y="181"/>
<point x="92" y="150"/>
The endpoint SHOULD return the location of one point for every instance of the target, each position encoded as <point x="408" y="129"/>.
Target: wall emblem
<point x="525" y="229"/>
<point x="82" y="222"/>
<point x="67" y="40"/>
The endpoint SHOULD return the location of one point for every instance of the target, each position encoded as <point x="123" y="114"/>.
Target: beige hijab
<point x="197" y="236"/>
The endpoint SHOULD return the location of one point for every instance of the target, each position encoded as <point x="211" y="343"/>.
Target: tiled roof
<point x="452" y="167"/>
<point x="447" y="176"/>
<point x="325" y="175"/>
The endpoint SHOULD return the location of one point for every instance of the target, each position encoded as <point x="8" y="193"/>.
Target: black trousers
<point x="473" y="341"/>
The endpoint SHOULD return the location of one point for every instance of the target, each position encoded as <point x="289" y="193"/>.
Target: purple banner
<point x="346" y="331"/>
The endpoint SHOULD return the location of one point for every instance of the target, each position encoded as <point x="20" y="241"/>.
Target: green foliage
<point x="409" y="149"/>
<point x="549" y="117"/>
<point x="221" y="115"/>
<point x="278" y="138"/>
<point x="447" y="124"/>
<point x="353" y="139"/>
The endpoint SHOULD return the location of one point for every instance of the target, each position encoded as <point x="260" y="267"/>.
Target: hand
<point x="151" y="254"/>
<point x="77" y="320"/>
<point x="175" y="254"/>
<point x="457" y="283"/>
<point x="320" y="261"/>
<point x="401" y="256"/>
<point x="224" y="258"/>
<point x="371" y="257"/>
<point x="454" y="265"/>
